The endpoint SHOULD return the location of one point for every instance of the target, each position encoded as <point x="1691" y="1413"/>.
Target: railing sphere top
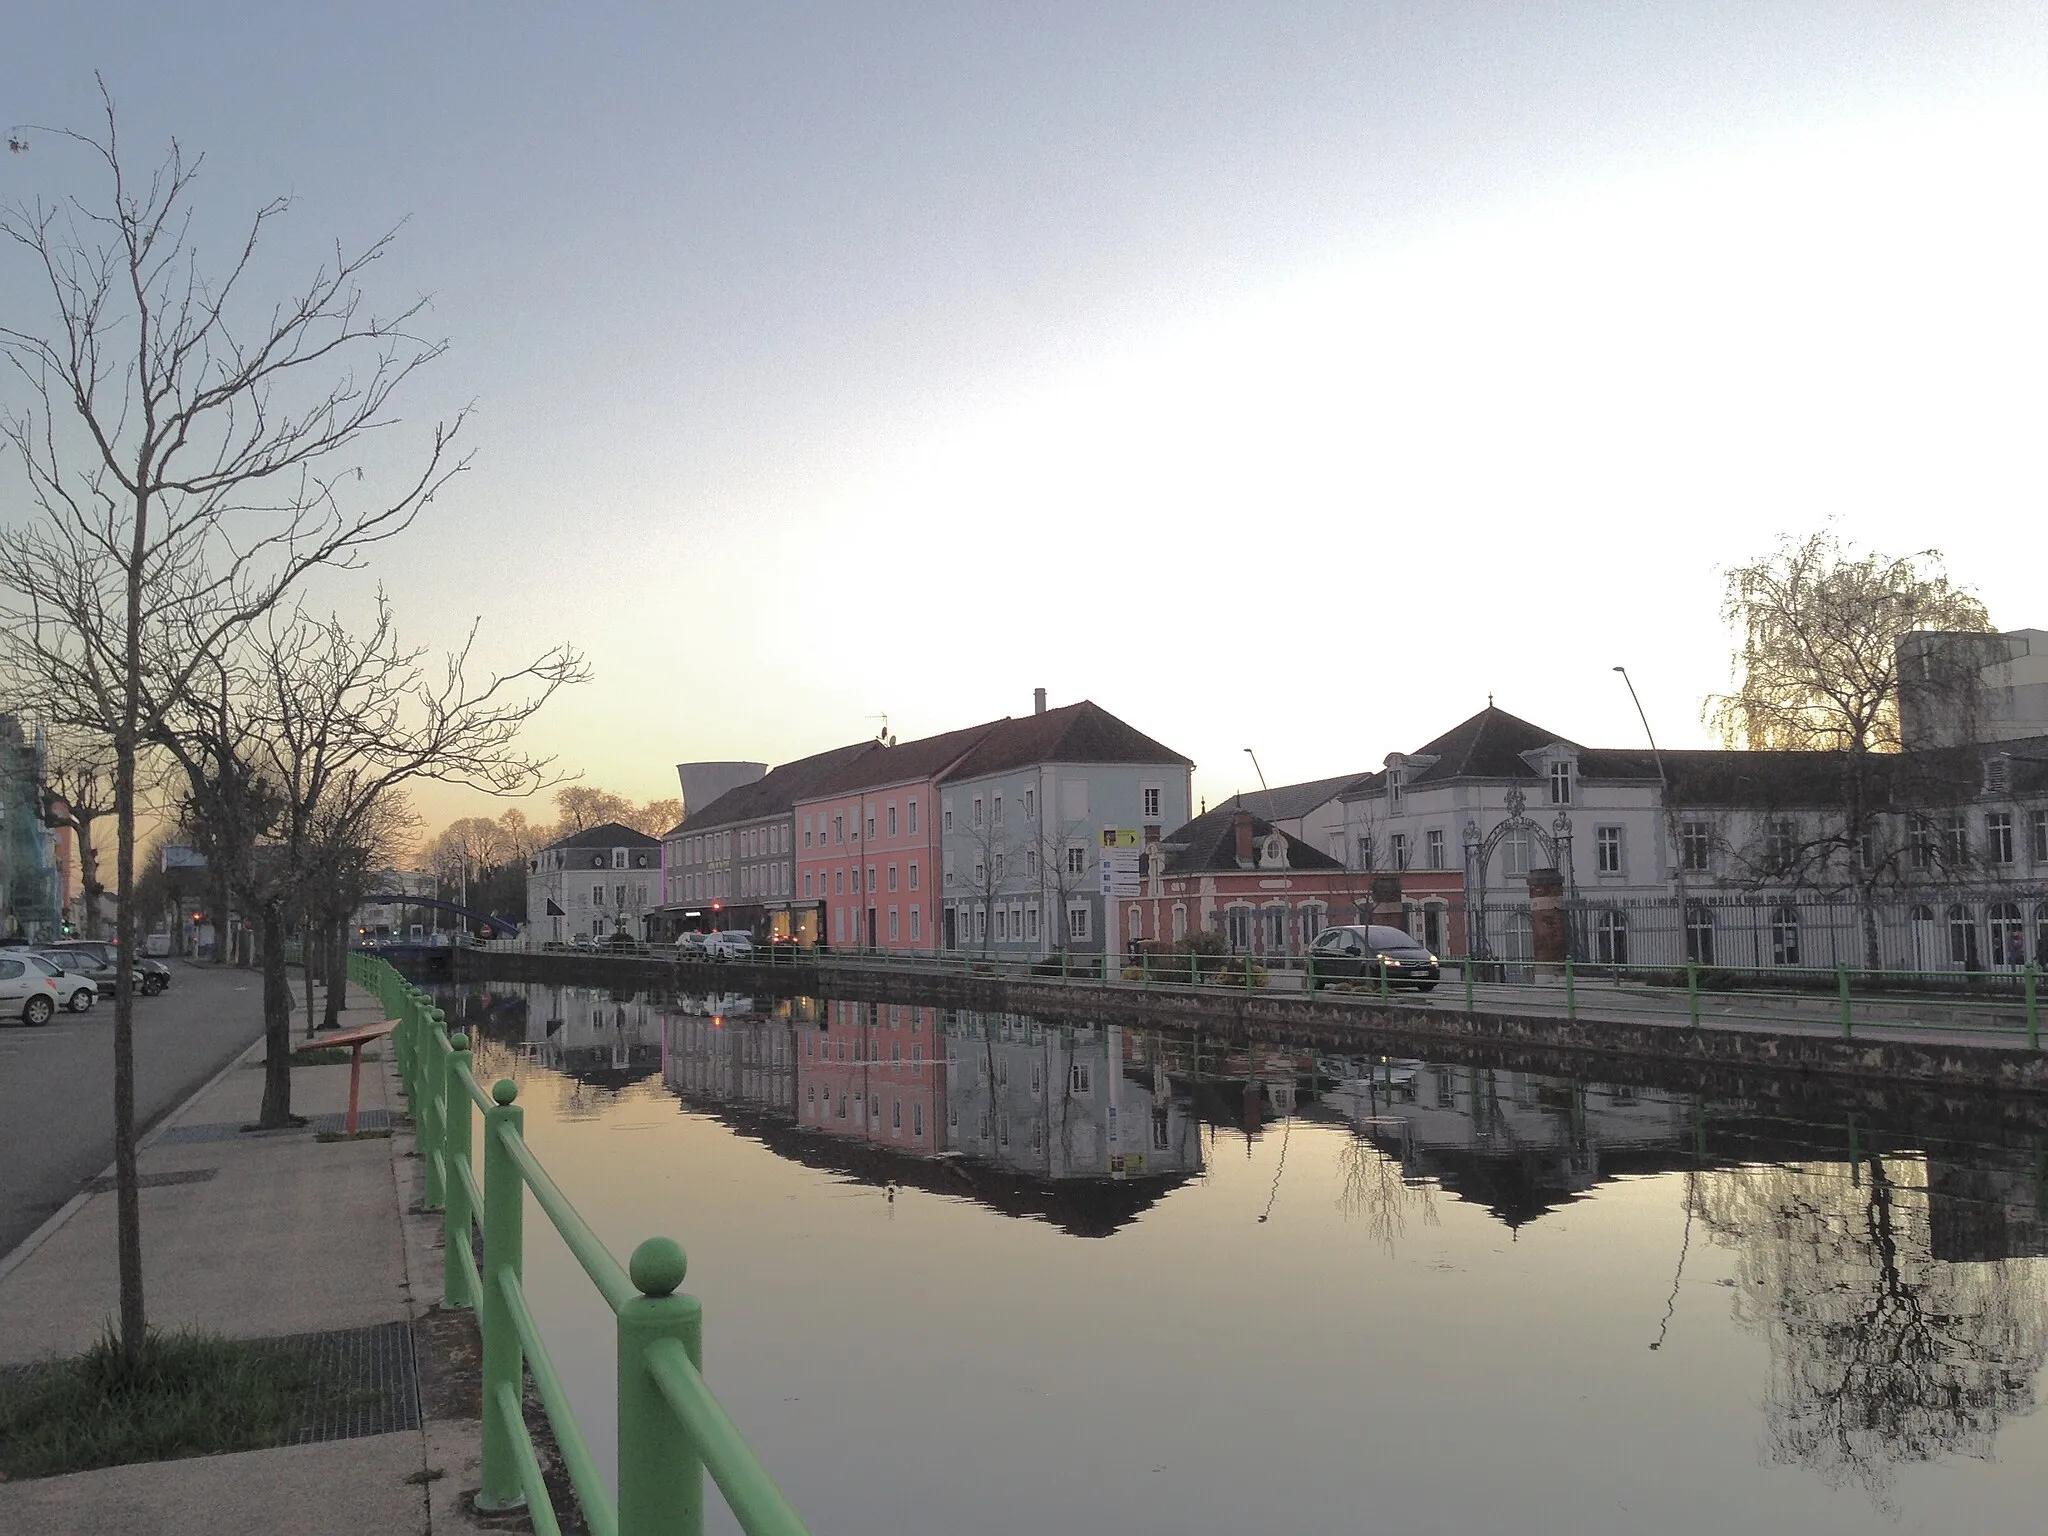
<point x="458" y="1041"/>
<point x="658" y="1266"/>
<point x="504" y="1091"/>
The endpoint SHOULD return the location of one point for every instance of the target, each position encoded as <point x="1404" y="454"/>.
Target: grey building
<point x="594" y="883"/>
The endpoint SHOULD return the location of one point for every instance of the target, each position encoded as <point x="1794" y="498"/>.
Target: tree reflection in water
<point x="1378" y="1191"/>
<point x="1880" y="1353"/>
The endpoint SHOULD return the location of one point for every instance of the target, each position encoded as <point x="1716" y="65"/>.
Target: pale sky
<point x="1278" y="376"/>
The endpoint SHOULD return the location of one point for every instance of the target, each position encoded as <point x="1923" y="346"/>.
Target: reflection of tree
<point x="1880" y="1353"/>
<point x="1376" y="1191"/>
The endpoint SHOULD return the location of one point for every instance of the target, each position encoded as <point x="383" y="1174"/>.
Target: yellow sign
<point x="1119" y="837"/>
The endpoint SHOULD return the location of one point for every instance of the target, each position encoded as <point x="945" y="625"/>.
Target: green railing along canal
<point x="671" y="1429"/>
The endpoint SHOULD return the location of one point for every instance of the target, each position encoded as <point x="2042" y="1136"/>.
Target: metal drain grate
<point x="366" y="1120"/>
<point x="187" y="1135"/>
<point x="157" y="1180"/>
<point x="369" y="1383"/>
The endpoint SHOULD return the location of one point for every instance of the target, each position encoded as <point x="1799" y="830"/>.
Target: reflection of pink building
<point x="868" y="840"/>
<point x="874" y="1072"/>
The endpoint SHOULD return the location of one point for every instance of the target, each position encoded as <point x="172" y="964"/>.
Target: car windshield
<point x="1389" y="938"/>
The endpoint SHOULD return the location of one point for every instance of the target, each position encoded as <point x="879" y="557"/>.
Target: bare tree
<point x="182" y="451"/>
<point x="79" y="772"/>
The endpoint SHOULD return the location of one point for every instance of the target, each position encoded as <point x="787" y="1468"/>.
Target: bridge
<point x="487" y="920"/>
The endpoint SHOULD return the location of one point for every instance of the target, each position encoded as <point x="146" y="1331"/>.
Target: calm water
<point x="971" y="1273"/>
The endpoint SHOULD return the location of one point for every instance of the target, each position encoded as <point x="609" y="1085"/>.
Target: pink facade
<point x="869" y="857"/>
<point x="874" y="1072"/>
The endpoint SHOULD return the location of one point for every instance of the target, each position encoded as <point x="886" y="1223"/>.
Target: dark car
<point x="1362" y="951"/>
<point x="152" y="976"/>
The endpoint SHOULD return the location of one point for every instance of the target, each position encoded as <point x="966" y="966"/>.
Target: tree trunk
<point x="127" y="1186"/>
<point x="277" y="1023"/>
<point x="89" y="872"/>
<point x="309" y="953"/>
<point x="220" y="912"/>
<point x="337" y="971"/>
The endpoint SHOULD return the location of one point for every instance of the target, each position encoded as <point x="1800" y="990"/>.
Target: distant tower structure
<point x="1959" y="689"/>
<point x="705" y="782"/>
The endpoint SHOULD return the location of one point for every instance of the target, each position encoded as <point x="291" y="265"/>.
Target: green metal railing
<point x="671" y="1429"/>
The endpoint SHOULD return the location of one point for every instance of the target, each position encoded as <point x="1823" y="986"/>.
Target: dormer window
<point x="1393" y="789"/>
<point x="1561" y="782"/>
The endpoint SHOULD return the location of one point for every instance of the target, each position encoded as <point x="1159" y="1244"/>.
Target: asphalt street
<point x="57" y="1083"/>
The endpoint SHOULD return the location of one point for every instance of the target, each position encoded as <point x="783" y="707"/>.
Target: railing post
<point x="2033" y="1007"/>
<point x="430" y="1114"/>
<point x="504" y="1356"/>
<point x="1571" y="991"/>
<point x="1842" y="988"/>
<point x="456" y="1153"/>
<point x="1383" y="978"/>
<point x="1467" y="969"/>
<point x="1692" y="991"/>
<point x="661" y="1475"/>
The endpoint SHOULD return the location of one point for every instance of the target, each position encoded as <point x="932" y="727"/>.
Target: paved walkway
<point x="257" y="1236"/>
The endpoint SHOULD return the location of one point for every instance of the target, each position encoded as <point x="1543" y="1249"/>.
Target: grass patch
<point x="192" y="1394"/>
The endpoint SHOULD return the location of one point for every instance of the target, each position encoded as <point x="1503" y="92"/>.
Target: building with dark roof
<point x="603" y="880"/>
<point x="1751" y="859"/>
<point x="732" y="862"/>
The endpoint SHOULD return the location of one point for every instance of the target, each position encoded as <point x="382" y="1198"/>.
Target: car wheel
<point x="152" y="985"/>
<point x="1425" y="986"/>
<point x="81" y="1001"/>
<point x="37" y="1011"/>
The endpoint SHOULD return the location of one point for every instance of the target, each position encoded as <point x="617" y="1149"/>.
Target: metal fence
<point x="671" y="1429"/>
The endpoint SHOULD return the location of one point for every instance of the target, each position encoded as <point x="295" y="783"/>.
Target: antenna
<point x="883" y="734"/>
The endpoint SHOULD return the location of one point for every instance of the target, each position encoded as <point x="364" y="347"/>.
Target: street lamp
<point x="1248" y="752"/>
<point x="1670" y="826"/>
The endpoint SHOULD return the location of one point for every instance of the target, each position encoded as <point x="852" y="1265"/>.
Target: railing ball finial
<point x="458" y="1041"/>
<point x="504" y="1091"/>
<point x="658" y="1266"/>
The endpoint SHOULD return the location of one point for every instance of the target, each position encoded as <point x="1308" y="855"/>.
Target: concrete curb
<point x="70" y="1208"/>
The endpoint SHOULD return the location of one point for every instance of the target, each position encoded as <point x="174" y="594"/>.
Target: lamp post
<point x="1248" y="752"/>
<point x="1670" y="826"/>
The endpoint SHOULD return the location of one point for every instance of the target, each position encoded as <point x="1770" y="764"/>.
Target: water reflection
<point x="1889" y="1266"/>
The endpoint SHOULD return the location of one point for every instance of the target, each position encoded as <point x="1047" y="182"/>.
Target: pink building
<point x="868" y="843"/>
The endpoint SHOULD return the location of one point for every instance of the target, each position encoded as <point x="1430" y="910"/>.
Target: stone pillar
<point x="1548" y="936"/>
<point x="1386" y="901"/>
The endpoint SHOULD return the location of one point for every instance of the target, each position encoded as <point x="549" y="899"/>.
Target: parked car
<point x="1362" y="951"/>
<point x="77" y="988"/>
<point x="730" y="944"/>
<point x="692" y="945"/>
<point x="25" y="990"/>
<point x="151" y="976"/>
<point x="580" y="941"/>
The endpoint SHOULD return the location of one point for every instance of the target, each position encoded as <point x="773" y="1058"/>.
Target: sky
<point x="1294" y="377"/>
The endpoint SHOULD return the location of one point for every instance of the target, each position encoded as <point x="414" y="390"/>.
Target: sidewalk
<point x="256" y="1237"/>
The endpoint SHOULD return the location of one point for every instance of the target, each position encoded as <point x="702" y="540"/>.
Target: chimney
<point x="1243" y="821"/>
<point x="1038" y="701"/>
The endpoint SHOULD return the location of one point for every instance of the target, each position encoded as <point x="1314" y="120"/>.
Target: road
<point x="57" y="1083"/>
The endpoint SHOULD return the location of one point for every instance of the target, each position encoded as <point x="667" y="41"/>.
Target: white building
<point x="592" y="884"/>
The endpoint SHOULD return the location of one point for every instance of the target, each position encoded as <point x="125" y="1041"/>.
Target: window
<point x="2041" y="837"/>
<point x="1610" y="938"/>
<point x="1077" y="922"/>
<point x="1779" y="836"/>
<point x="1784" y="934"/>
<point x="1962" y="937"/>
<point x="839" y="881"/>
<point x="1699" y="934"/>
<point x="892" y="925"/>
<point x="892" y="877"/>
<point x="1152" y="795"/>
<point x="1398" y="846"/>
<point x="1276" y="930"/>
<point x="913" y="818"/>
<point x="1031" y="924"/>
<point x="1080" y="1078"/>
<point x="1077" y="858"/>
<point x="1561" y="783"/>
<point x="977" y="810"/>
<point x="1030" y="804"/>
<point x="1695" y="846"/>
<point x="1434" y="842"/>
<point x="917" y="1121"/>
<point x="997" y="814"/>
<point x="1514" y="852"/>
<point x="946" y="817"/>
<point x="1920" y="843"/>
<point x="2008" y="934"/>
<point x="871" y="829"/>
<point x="838" y="829"/>
<point x="916" y="921"/>
<point x="1955" y="841"/>
<point x="1002" y="925"/>
<point x="892" y="821"/>
<point x="1998" y="836"/>
<point x="980" y="923"/>
<point x="1238" y="928"/>
<point x="597" y="895"/>
<point x="1031" y="863"/>
<point x="1365" y="851"/>
<point x="913" y="874"/>
<point x="872" y="887"/>
<point x="1607" y="850"/>
<point x="948" y="874"/>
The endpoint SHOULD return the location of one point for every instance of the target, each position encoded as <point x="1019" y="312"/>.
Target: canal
<point x="981" y="1272"/>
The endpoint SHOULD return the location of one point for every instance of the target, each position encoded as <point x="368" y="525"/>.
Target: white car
<point x="691" y="945"/>
<point x="730" y="944"/>
<point x="75" y="989"/>
<point x="27" y="989"/>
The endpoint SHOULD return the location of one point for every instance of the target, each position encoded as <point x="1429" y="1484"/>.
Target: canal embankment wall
<point x="1748" y="1058"/>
